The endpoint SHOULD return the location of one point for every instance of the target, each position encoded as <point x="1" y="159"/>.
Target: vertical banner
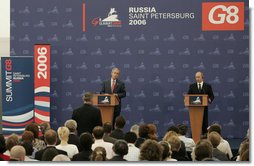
<point x="17" y="94"/>
<point x="42" y="83"/>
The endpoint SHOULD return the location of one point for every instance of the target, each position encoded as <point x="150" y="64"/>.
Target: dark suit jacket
<point x="206" y="89"/>
<point x="219" y="155"/>
<point x="39" y="154"/>
<point x="139" y="142"/>
<point x="87" y="117"/>
<point x="117" y="158"/>
<point x="117" y="134"/>
<point x="119" y="90"/>
<point x="74" y="139"/>
<point x="82" y="156"/>
<point x="109" y="139"/>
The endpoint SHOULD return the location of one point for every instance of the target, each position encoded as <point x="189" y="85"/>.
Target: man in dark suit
<point x="107" y="127"/>
<point x="117" y="87"/>
<point x="200" y="87"/>
<point x="50" y="139"/>
<point x="120" y="149"/>
<point x="86" y="141"/>
<point x="118" y="132"/>
<point x="87" y="116"/>
<point x="73" y="138"/>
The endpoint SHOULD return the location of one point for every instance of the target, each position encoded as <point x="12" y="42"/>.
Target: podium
<point x="106" y="103"/>
<point x="196" y="104"/>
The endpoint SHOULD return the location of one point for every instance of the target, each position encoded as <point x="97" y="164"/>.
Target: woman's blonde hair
<point x="63" y="133"/>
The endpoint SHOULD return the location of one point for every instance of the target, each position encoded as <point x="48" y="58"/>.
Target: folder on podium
<point x="106" y="103"/>
<point x="196" y="104"/>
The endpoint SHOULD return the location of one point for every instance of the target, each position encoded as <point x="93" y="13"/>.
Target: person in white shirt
<point x="98" y="133"/>
<point x="63" y="134"/>
<point x="189" y="143"/>
<point x="133" y="152"/>
<point x="224" y="145"/>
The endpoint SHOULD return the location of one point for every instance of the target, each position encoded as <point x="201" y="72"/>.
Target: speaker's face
<point x="115" y="74"/>
<point x="199" y="77"/>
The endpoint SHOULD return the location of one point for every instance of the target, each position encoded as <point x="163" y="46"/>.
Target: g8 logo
<point x="229" y="14"/>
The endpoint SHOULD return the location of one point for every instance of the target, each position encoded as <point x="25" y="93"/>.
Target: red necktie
<point x="113" y="86"/>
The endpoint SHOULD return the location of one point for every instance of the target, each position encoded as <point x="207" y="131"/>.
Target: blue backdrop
<point x="158" y="60"/>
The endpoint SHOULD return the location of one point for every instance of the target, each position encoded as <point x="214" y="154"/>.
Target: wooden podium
<point x="106" y="104"/>
<point x="196" y="104"/>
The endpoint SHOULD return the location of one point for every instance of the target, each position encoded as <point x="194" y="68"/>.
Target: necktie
<point x="113" y="86"/>
<point x="199" y="87"/>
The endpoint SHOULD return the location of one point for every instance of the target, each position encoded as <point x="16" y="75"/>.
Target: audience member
<point x="99" y="154"/>
<point x="63" y="134"/>
<point x="98" y="136"/>
<point x="50" y="139"/>
<point x="73" y="138"/>
<point x="119" y="125"/>
<point x="86" y="142"/>
<point x="150" y="150"/>
<point x="107" y="127"/>
<point x="120" y="149"/>
<point x="133" y="152"/>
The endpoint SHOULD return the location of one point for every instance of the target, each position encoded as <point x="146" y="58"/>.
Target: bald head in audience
<point x="18" y="153"/>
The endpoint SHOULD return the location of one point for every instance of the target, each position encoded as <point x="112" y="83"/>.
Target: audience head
<point x="175" y="143"/>
<point x="50" y="137"/>
<point x="98" y="132"/>
<point x="44" y="126"/>
<point x="63" y="133"/>
<point x="49" y="154"/>
<point x="135" y="129"/>
<point x="173" y="128"/>
<point x="214" y="138"/>
<point x="120" y="122"/>
<point x="243" y="148"/>
<point x="166" y="150"/>
<point x="2" y="144"/>
<point x="107" y="127"/>
<point x="28" y="147"/>
<point x="33" y="127"/>
<point x="143" y="131"/>
<point x="130" y="137"/>
<point x="203" y="150"/>
<point x="151" y="150"/>
<point x="88" y="97"/>
<point x="152" y="134"/>
<point x="27" y="136"/>
<point x="245" y="156"/>
<point x="168" y="135"/>
<point x="99" y="154"/>
<point x="120" y="148"/>
<point x="71" y="125"/>
<point x="86" y="140"/>
<point x="18" y="153"/>
<point x="12" y="141"/>
<point x="214" y="127"/>
<point x="183" y="129"/>
<point x="61" y="157"/>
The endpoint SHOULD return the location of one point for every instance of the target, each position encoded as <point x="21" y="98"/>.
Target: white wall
<point x="5" y="28"/>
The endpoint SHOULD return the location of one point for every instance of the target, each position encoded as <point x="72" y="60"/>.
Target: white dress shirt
<point x="201" y="84"/>
<point x="108" y="147"/>
<point x="189" y="143"/>
<point x="225" y="148"/>
<point x="133" y="153"/>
